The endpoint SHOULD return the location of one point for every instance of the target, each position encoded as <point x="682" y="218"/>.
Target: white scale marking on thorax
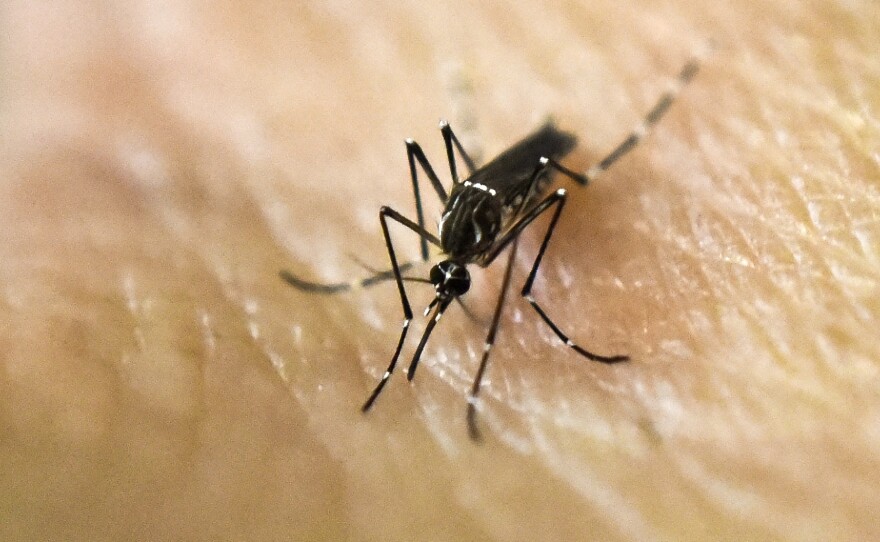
<point x="480" y="186"/>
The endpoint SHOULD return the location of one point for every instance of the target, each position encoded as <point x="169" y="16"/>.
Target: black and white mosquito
<point x="484" y="214"/>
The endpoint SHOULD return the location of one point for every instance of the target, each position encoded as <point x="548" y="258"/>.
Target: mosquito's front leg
<point x="687" y="73"/>
<point x="384" y="214"/>
<point x="414" y="153"/>
<point x="375" y="278"/>
<point x="434" y="318"/>
<point x="450" y="139"/>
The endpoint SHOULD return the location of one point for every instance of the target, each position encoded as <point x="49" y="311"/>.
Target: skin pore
<point x="160" y="164"/>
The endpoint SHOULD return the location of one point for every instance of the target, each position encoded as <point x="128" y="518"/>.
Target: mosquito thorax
<point x="470" y="222"/>
<point x="450" y="279"/>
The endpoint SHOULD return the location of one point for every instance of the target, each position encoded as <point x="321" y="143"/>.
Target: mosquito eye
<point x="450" y="278"/>
<point x="437" y="275"/>
<point x="459" y="285"/>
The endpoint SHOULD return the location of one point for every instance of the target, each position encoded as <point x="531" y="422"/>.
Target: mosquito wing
<point x="509" y="172"/>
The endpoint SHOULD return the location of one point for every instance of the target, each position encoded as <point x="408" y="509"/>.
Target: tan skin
<point x="159" y="381"/>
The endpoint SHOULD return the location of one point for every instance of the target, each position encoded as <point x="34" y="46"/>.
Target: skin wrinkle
<point x="160" y="164"/>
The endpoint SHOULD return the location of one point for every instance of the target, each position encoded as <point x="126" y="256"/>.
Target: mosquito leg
<point x="450" y="139"/>
<point x="467" y="311"/>
<point x="559" y="198"/>
<point x="384" y="380"/>
<point x="687" y="73"/>
<point x="319" y="288"/>
<point x="579" y="178"/>
<point x="473" y="430"/>
<point x="384" y="214"/>
<point x="382" y="276"/>
<point x="432" y="321"/>
<point x="526" y="217"/>
<point x="414" y="153"/>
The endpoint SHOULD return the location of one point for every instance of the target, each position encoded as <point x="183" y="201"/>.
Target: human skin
<point x="160" y="164"/>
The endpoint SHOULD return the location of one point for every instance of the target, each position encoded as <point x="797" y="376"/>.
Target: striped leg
<point x="433" y="320"/>
<point x="559" y="198"/>
<point x="642" y="129"/>
<point x="473" y="430"/>
<point x="556" y="199"/>
<point x="384" y="214"/>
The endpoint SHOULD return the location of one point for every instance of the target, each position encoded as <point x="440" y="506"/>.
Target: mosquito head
<point x="450" y="279"/>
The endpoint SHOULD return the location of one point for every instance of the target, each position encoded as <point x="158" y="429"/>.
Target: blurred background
<point x="161" y="162"/>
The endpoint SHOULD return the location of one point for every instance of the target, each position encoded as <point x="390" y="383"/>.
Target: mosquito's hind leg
<point x="644" y="127"/>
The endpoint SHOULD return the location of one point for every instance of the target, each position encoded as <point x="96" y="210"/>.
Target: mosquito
<point x="484" y="214"/>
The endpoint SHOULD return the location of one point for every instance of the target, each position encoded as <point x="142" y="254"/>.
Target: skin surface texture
<point x="161" y="162"/>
